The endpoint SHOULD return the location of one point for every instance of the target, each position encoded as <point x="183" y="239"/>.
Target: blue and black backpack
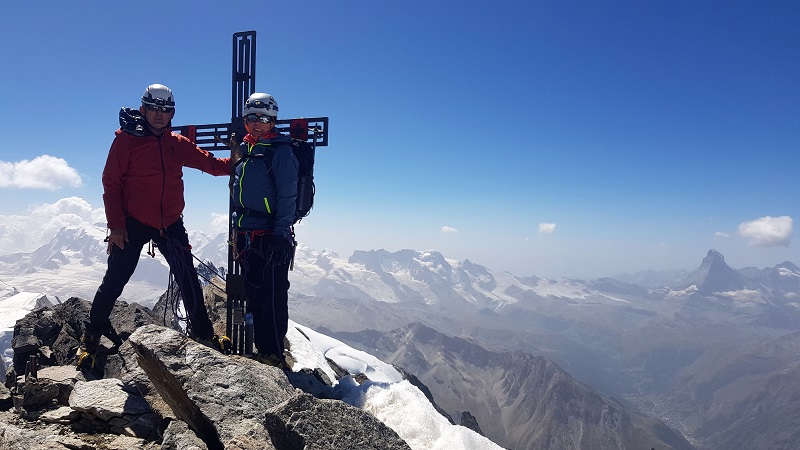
<point x="304" y="151"/>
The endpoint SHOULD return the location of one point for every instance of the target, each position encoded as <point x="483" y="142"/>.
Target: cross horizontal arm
<point x="206" y="136"/>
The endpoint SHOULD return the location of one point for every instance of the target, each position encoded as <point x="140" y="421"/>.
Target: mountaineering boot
<point x="90" y="344"/>
<point x="87" y="350"/>
<point x="221" y="344"/>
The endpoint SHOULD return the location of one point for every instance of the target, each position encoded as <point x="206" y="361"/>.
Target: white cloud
<point x="72" y="209"/>
<point x="20" y="233"/>
<point x="219" y="223"/>
<point x="446" y="229"/>
<point x="721" y="234"/>
<point x="547" y="228"/>
<point x="43" y="172"/>
<point x="768" y="231"/>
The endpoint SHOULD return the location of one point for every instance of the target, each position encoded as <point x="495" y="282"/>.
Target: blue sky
<point x="570" y="138"/>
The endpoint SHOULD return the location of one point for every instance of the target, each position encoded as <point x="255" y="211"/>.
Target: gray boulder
<point x="108" y="405"/>
<point x="305" y="422"/>
<point x="221" y="398"/>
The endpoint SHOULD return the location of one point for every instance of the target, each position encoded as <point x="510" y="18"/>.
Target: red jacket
<point x="143" y="177"/>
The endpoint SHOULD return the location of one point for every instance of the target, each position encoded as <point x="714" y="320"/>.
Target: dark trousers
<point x="174" y="245"/>
<point x="267" y="290"/>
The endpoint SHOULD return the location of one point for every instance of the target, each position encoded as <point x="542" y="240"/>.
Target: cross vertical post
<point x="243" y="84"/>
<point x="243" y="76"/>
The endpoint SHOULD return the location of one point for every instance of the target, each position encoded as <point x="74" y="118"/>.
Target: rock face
<point x="166" y="391"/>
<point x="204" y="387"/>
<point x="53" y="334"/>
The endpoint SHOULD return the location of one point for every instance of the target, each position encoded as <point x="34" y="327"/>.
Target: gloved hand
<point x="279" y="250"/>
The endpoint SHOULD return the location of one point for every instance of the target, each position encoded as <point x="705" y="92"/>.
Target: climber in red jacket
<point x="143" y="197"/>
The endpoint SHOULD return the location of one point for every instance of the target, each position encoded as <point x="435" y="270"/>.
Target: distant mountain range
<point x="648" y="345"/>
<point x="628" y="341"/>
<point x="521" y="401"/>
<point x="73" y="264"/>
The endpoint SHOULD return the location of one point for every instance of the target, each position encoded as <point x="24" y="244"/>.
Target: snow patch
<point x="404" y="409"/>
<point x="11" y="310"/>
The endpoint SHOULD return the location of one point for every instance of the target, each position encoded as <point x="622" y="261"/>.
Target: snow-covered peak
<point x="714" y="275"/>
<point x="16" y="306"/>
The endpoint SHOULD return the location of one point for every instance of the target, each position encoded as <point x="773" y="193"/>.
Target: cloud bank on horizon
<point x="25" y="233"/>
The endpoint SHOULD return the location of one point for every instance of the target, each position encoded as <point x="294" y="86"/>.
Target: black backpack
<point x="304" y="152"/>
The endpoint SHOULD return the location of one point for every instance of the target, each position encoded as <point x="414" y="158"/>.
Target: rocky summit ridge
<point x="163" y="390"/>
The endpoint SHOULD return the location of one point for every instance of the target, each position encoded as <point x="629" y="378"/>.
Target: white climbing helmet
<point x="158" y="95"/>
<point x="260" y="103"/>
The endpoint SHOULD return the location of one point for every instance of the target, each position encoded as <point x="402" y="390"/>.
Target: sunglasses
<point x="262" y="119"/>
<point x="164" y="109"/>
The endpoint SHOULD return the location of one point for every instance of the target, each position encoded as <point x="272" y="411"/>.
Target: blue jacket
<point x="265" y="185"/>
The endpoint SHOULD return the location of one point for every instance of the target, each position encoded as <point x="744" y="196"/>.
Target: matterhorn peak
<point x="714" y="275"/>
<point x="714" y="256"/>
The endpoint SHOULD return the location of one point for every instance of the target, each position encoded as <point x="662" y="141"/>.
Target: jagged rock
<point x="39" y="393"/>
<point x="26" y="341"/>
<point x="18" y="434"/>
<point x="16" y="438"/>
<point x="6" y="401"/>
<point x="10" y="376"/>
<point x="64" y="377"/>
<point x="309" y="381"/>
<point x="219" y="397"/>
<point x="46" y="352"/>
<point x="469" y="421"/>
<point x="53" y="333"/>
<point x="128" y="443"/>
<point x="124" y="367"/>
<point x="106" y="398"/>
<point x="178" y="436"/>
<point x="62" y="415"/>
<point x="310" y="423"/>
<point x="63" y="319"/>
<point x="216" y="301"/>
<point x="337" y="369"/>
<point x="109" y="405"/>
